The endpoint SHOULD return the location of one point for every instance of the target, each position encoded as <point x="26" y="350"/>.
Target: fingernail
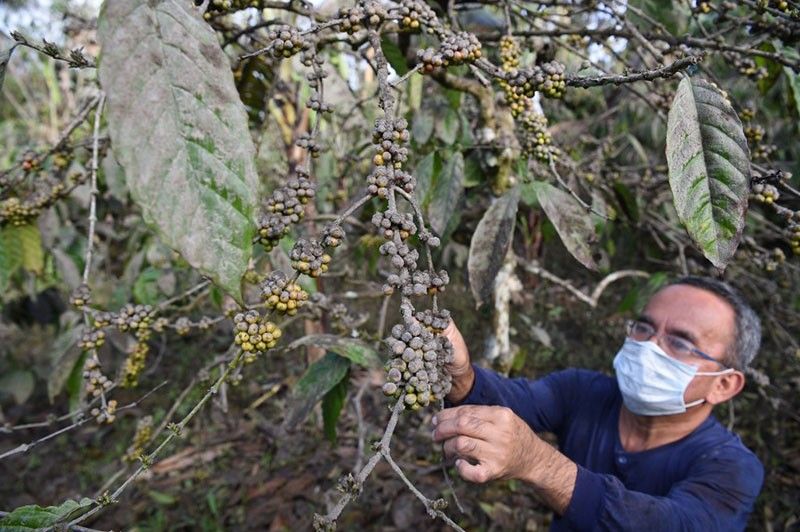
<point x="435" y="420"/>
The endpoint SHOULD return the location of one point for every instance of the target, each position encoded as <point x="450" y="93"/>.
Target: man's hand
<point x="492" y="442"/>
<point x="460" y="369"/>
<point x="488" y="442"/>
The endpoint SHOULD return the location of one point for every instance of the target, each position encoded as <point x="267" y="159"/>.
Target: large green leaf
<point x="65" y="355"/>
<point x="18" y="384"/>
<point x="489" y="245"/>
<point x="6" y="49"/>
<point x="447" y="126"/>
<point x="427" y="172"/>
<point x="332" y="405"/>
<point x="447" y="192"/>
<point x="30" y="241"/>
<point x="571" y="220"/>
<point x="709" y="168"/>
<point x="180" y="132"/>
<point x="10" y="253"/>
<point x="349" y="348"/>
<point x="794" y="85"/>
<point x="34" y="517"/>
<point x="318" y="380"/>
<point x="394" y="55"/>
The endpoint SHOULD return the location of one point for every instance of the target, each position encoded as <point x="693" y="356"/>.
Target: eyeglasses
<point x="675" y="346"/>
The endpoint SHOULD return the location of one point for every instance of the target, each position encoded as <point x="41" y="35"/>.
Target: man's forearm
<point x="552" y="475"/>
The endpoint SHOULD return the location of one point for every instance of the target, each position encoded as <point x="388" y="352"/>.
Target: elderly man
<point x="641" y="451"/>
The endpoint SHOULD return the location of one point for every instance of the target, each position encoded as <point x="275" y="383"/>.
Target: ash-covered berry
<point x="426" y="237"/>
<point x="309" y="257"/>
<point x="332" y="235"/>
<point x="307" y="142"/>
<point x="416" y="367"/>
<point x="462" y="47"/>
<point x="183" y="326"/>
<point x="391" y="222"/>
<point x="106" y="414"/>
<point x="282" y="295"/>
<point x="436" y="321"/>
<point x="315" y="103"/>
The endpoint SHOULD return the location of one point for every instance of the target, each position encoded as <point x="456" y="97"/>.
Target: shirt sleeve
<point x="717" y="495"/>
<point x="545" y="404"/>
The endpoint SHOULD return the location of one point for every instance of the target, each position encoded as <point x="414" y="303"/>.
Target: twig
<point x="362" y="429"/>
<point x="148" y="460"/>
<point x="430" y="505"/>
<point x="596" y="293"/>
<point x="93" y="192"/>
<point x="647" y="75"/>
<point x="25" y="447"/>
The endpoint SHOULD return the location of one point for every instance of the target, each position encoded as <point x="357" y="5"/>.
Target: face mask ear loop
<point x="695" y="403"/>
<point x="714" y="373"/>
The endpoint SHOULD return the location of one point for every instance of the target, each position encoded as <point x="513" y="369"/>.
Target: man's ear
<point x="726" y="387"/>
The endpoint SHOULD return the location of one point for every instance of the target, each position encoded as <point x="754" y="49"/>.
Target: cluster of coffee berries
<point x="285" y="41"/>
<point x="754" y="134"/>
<point x="95" y="382"/>
<point x="309" y="257"/>
<point x="793" y="230"/>
<point x="416" y="368"/>
<point x="144" y="431"/>
<point x="365" y="13"/>
<point x="332" y="235"/>
<point x="133" y="318"/>
<point x="183" y="326"/>
<point x="534" y="137"/>
<point x="81" y="296"/>
<point x="282" y="295"/>
<point x="509" y="58"/>
<point x="391" y="222"/>
<point x="435" y="321"/>
<point x="389" y="137"/>
<point x="315" y="103"/>
<point x="770" y="260"/>
<point x="748" y="67"/>
<point x="216" y="7"/>
<point x="254" y="334"/>
<point x="547" y="78"/>
<point x="416" y="13"/>
<point x="134" y="364"/>
<point x="426" y="237"/>
<point x="92" y="340"/>
<point x="456" y="49"/>
<point x="765" y="193"/>
<point x="284" y="208"/>
<point x="307" y="142"/>
<point x="105" y="414"/>
<point x="400" y="255"/>
<point x="48" y="189"/>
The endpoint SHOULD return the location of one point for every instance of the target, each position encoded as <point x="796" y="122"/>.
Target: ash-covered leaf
<point x="489" y="245"/>
<point x="180" y="131"/>
<point x="572" y="221"/>
<point x="709" y="168"/>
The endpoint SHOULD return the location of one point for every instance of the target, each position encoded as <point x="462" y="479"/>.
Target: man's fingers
<point x="465" y="424"/>
<point x="465" y="447"/>
<point x="478" y="473"/>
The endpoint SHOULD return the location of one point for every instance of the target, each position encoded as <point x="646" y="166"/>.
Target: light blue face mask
<point x="652" y="382"/>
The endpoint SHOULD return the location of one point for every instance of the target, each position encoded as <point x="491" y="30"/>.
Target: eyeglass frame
<point x="629" y="324"/>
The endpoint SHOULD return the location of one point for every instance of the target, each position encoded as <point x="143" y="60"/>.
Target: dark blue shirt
<point x="706" y="481"/>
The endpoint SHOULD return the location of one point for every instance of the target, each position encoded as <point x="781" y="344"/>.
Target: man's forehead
<point x="691" y="308"/>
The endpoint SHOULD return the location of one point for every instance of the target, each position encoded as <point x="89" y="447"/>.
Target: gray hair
<point x="747" y="334"/>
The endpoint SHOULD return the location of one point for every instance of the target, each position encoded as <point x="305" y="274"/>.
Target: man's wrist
<point x="551" y="474"/>
<point x="461" y="384"/>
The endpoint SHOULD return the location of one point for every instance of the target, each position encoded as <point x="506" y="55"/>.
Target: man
<point x="639" y="452"/>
